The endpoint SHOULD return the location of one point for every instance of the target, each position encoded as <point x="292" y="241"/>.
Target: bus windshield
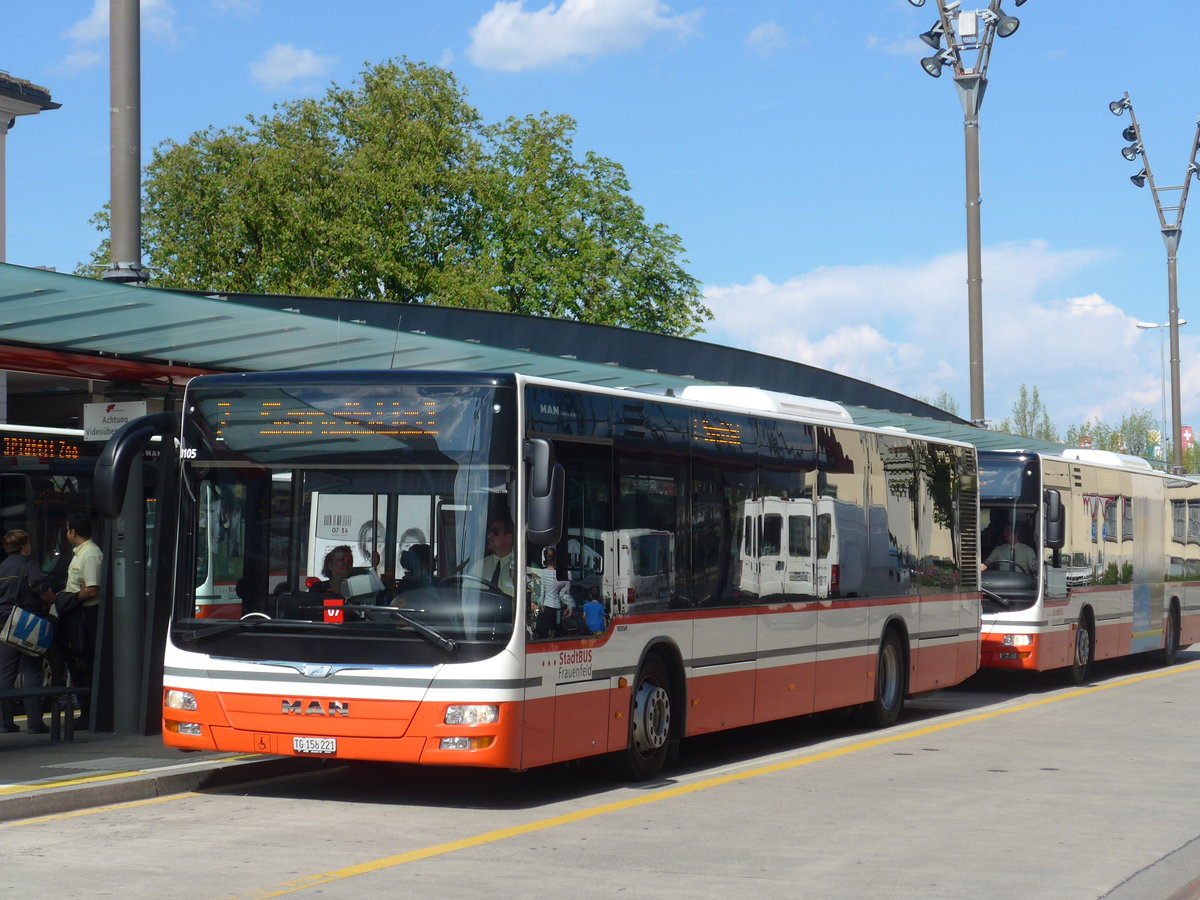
<point x="324" y="514"/>
<point x="1009" y="533"/>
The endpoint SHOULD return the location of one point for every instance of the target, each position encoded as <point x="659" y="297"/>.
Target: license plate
<point x="326" y="746"/>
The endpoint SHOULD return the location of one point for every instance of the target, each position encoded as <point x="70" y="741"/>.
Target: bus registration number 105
<point x="327" y="746"/>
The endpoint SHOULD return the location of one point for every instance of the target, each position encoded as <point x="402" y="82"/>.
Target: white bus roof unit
<point x="1106" y="458"/>
<point x="753" y="398"/>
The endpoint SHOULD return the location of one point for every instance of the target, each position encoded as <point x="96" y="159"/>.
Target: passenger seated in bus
<point x="1012" y="555"/>
<point x="336" y="570"/>
<point x="992" y="537"/>
<point x="417" y="573"/>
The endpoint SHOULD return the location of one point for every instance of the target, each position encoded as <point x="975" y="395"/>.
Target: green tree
<point x="1030" y="417"/>
<point x="1191" y="458"/>
<point x="567" y="240"/>
<point x="942" y="401"/>
<point x="1131" y="435"/>
<point x="395" y="189"/>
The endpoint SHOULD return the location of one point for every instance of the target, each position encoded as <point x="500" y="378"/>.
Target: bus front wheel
<point x="649" y="720"/>
<point x="1170" y="650"/>
<point x="1081" y="663"/>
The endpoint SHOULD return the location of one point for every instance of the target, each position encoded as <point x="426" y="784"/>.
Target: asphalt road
<point x="1005" y="787"/>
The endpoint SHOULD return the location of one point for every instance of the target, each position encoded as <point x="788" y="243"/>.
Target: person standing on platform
<point x="78" y="607"/>
<point x="21" y="587"/>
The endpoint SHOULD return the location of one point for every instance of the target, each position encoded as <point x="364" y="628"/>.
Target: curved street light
<point x="1170" y="221"/>
<point x="968" y="35"/>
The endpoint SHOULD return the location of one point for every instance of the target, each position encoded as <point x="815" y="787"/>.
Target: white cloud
<point x="510" y="39"/>
<point x="904" y="327"/>
<point x="767" y="38"/>
<point x="246" y="8"/>
<point x="898" y="47"/>
<point x="283" y="64"/>
<point x="89" y="36"/>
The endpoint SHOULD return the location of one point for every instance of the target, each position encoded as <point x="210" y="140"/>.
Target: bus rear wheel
<point x="885" y="709"/>
<point x="649" y="720"/>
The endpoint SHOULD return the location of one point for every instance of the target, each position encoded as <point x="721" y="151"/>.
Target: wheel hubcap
<point x="651" y="717"/>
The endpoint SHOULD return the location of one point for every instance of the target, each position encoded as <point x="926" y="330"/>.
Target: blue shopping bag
<point x="28" y="632"/>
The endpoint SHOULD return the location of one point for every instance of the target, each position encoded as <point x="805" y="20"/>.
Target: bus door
<point x="579" y="719"/>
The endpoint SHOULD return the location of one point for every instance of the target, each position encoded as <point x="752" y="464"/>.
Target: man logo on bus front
<point x="316" y="708"/>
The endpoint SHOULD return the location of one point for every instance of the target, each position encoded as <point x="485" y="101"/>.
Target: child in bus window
<point x="593" y="612"/>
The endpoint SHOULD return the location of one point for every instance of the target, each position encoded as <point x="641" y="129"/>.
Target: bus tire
<point x="1084" y="650"/>
<point x="649" y="720"/>
<point x="885" y="709"/>
<point x="1170" y="649"/>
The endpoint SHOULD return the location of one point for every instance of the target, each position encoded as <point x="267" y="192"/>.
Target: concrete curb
<point x="146" y="784"/>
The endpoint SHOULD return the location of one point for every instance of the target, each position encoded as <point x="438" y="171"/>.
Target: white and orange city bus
<point x="1113" y="565"/>
<point x="448" y="669"/>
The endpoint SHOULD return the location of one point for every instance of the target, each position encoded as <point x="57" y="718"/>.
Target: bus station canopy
<point x="65" y="325"/>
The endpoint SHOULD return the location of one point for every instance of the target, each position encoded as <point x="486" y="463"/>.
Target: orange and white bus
<point x="446" y="671"/>
<point x="1113" y="566"/>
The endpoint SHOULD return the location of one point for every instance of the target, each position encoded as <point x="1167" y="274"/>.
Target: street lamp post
<point x="1172" y="229"/>
<point x="968" y="36"/>
<point x="1162" y="361"/>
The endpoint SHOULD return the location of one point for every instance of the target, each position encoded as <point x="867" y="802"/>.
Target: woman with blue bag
<point x="21" y="587"/>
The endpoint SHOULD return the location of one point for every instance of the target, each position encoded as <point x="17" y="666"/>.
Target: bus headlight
<point x="472" y="714"/>
<point x="185" y="700"/>
<point x="192" y="729"/>
<point x="1017" y="640"/>
<point x="466" y="743"/>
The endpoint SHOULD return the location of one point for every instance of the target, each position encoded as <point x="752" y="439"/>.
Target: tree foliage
<point x="943" y="401"/>
<point x="395" y="189"/>
<point x="1030" y="417"/>
<point x="1131" y="435"/>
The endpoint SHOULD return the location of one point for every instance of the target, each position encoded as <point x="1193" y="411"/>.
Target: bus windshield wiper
<point x="208" y="629"/>
<point x="992" y="595"/>
<point x="428" y="632"/>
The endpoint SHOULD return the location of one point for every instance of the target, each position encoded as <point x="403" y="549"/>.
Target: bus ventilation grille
<point x="968" y="535"/>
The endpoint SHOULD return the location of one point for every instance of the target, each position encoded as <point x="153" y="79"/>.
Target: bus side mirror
<point x="1052" y="503"/>
<point x="546" y="487"/>
<point x="118" y="458"/>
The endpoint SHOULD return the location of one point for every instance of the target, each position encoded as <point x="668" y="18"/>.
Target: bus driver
<point x="1012" y="554"/>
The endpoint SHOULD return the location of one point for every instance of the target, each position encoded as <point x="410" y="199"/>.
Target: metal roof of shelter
<point x="67" y="325"/>
<point x="643" y="351"/>
<point x="110" y="329"/>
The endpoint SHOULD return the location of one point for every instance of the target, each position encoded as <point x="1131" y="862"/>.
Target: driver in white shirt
<point x="1012" y="554"/>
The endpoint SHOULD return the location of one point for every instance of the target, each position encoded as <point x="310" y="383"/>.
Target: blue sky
<point x="813" y="171"/>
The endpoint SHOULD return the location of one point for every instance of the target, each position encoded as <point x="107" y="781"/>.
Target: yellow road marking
<point x="76" y="813"/>
<point x="46" y="785"/>
<point x="8" y="789"/>
<point x="501" y="834"/>
<point x="129" y="804"/>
